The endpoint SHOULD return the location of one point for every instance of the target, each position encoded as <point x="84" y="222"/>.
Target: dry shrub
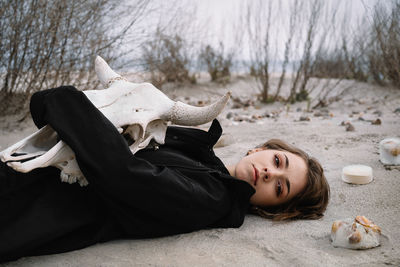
<point x="258" y="18"/>
<point x="370" y="53"/>
<point x="330" y="65"/>
<point x="384" y="53"/>
<point x="356" y="60"/>
<point x="304" y="69"/>
<point x="305" y="36"/>
<point x="167" y="59"/>
<point x="50" y="43"/>
<point x="218" y="63"/>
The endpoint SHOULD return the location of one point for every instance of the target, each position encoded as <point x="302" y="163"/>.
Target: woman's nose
<point x="265" y="173"/>
<point x="268" y="173"/>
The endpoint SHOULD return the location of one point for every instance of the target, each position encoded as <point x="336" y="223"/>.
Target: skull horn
<point x="105" y="74"/>
<point x="183" y="114"/>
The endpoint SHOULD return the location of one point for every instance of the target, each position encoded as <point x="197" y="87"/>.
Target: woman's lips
<point x="256" y="175"/>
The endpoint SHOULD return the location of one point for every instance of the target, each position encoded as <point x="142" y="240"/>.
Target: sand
<point x="261" y="242"/>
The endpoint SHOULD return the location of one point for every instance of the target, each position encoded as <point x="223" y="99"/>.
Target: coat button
<point x="175" y="137"/>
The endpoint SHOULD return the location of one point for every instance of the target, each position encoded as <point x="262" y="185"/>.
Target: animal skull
<point x="139" y="108"/>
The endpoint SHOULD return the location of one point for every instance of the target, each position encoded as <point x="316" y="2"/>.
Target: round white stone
<point x="357" y="174"/>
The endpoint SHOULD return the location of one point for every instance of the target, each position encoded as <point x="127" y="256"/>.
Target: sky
<point x="213" y="21"/>
<point x="222" y="17"/>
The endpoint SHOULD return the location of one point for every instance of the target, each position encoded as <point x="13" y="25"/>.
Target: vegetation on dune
<point x="218" y="63"/>
<point x="45" y="44"/>
<point x="50" y="43"/>
<point x="167" y="59"/>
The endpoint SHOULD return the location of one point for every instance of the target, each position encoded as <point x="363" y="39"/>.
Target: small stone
<point x="377" y="112"/>
<point x="271" y="114"/>
<point x="344" y="123"/>
<point x="298" y="109"/>
<point x="229" y="115"/>
<point x="350" y="127"/>
<point x="238" y="118"/>
<point x="236" y="106"/>
<point x="361" y="118"/>
<point x="397" y="110"/>
<point x="355" y="112"/>
<point x="304" y="118"/>
<point x="241" y="118"/>
<point x="249" y="103"/>
<point x="256" y="116"/>
<point x="377" y="122"/>
<point x="318" y="114"/>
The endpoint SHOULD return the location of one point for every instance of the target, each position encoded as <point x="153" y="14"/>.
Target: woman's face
<point x="277" y="176"/>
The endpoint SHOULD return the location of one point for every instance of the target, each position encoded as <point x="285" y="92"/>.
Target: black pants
<point x="41" y="215"/>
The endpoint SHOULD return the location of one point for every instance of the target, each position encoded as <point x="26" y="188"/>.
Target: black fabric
<point x="178" y="188"/>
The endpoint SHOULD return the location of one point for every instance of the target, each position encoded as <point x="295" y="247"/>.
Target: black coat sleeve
<point x="130" y="185"/>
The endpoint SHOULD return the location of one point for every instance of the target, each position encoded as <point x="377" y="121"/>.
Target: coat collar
<point x="194" y="137"/>
<point x="214" y="132"/>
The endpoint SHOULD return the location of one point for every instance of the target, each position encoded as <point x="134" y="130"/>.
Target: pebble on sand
<point x="377" y="112"/>
<point x="304" y="118"/>
<point x="349" y="127"/>
<point x="229" y="115"/>
<point x="376" y="122"/>
<point x="318" y="114"/>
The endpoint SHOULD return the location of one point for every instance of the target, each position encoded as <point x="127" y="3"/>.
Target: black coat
<point x="179" y="188"/>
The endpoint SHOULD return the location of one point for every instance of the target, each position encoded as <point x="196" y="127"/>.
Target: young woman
<point x="178" y="188"/>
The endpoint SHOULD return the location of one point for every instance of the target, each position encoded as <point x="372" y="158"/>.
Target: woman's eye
<point x="277" y="161"/>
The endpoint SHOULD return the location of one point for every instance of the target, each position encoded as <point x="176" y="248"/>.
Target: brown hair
<point x="308" y="204"/>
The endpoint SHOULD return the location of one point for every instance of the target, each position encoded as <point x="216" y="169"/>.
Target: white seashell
<point x="389" y="151"/>
<point x="359" y="233"/>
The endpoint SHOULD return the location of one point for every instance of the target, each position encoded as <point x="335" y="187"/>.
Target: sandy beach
<point x="260" y="242"/>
